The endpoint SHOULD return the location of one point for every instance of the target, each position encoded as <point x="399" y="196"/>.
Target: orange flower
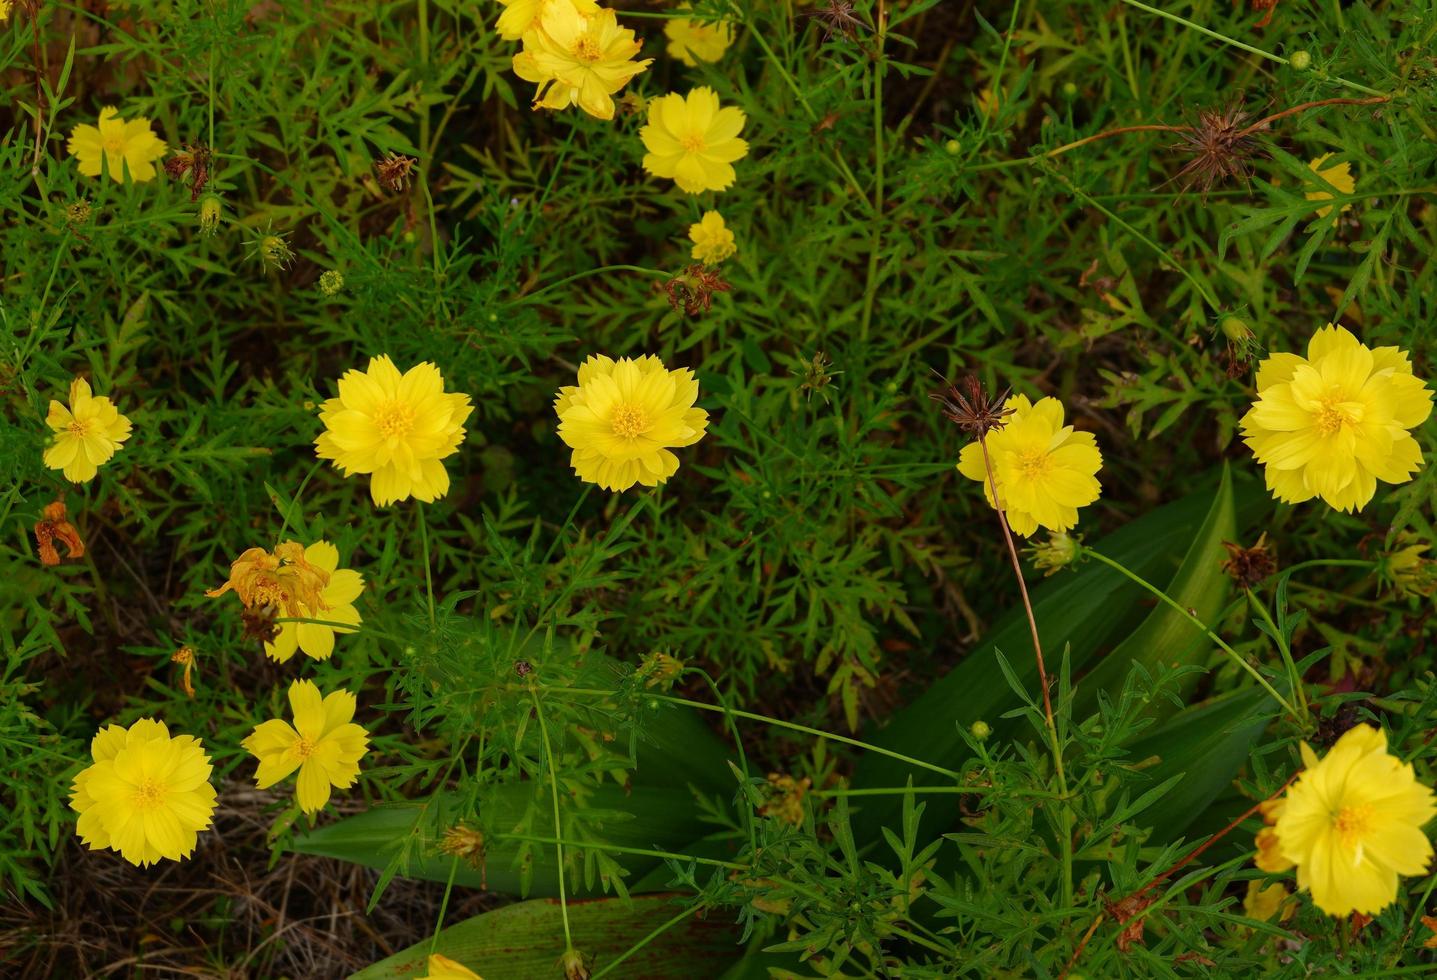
<point x="54" y="526"/>
<point x="284" y="580"/>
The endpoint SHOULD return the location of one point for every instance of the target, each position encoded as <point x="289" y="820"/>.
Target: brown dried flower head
<point x="54" y="525"/>
<point x="259" y="623"/>
<point x="465" y="843"/>
<point x="693" y="291"/>
<point x="185" y="656"/>
<point x="836" y="16"/>
<point x="194" y="159"/>
<point x="1249" y="566"/>
<point x="394" y="171"/>
<point x="1221" y="146"/>
<point x="284" y="580"/>
<point x="967" y="405"/>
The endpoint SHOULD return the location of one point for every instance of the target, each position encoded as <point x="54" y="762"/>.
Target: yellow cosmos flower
<point x="579" y="61"/>
<point x="521" y="16"/>
<point x="147" y="795"/>
<point x="713" y="242"/>
<point x="1262" y="902"/>
<point x="324" y="744"/>
<point x="86" y="434"/>
<point x="1044" y="470"/>
<point x="1338" y="175"/>
<point x="623" y="418"/>
<point x="691" y="41"/>
<point x="1332" y="424"/>
<point x="123" y="146"/>
<point x="442" y="967"/>
<point x="693" y="141"/>
<point x="336" y="604"/>
<point x="396" y="427"/>
<point x="4" y="11"/>
<point x="1269" y="849"/>
<point x="286" y="580"/>
<point x="1352" y="823"/>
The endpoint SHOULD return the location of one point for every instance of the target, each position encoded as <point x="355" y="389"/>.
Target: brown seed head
<point x="1220" y="146"/>
<point x="836" y="16"/>
<point x="693" y="291"/>
<point x="967" y="405"/>
<point x="394" y="171"/>
<point x="1249" y="566"/>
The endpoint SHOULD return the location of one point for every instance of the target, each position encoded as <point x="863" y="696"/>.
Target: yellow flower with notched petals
<point x="693" y="140"/>
<point x="625" y="416"/>
<point x="578" y="60"/>
<point x="324" y="744"/>
<point x="1333" y="423"/>
<point x="86" y="434"/>
<point x="1338" y="175"/>
<point x="1352" y="823"/>
<point x="521" y="16"/>
<point x="147" y="795"/>
<point x="336" y="605"/>
<point x="396" y="427"/>
<point x="1044" y="469"/>
<point x="442" y="967"/>
<point x="124" y="147"/>
<point x="713" y="242"/>
<point x="692" y="41"/>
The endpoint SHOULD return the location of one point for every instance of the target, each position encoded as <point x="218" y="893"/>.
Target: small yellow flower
<point x="522" y="16"/>
<point x="713" y="242"/>
<point x="442" y="967"/>
<point x="1339" y="175"/>
<point x="285" y="580"/>
<point x="324" y="744"/>
<point x="623" y="418"/>
<point x="396" y="427"/>
<point x="86" y="434"/>
<point x="1044" y="469"/>
<point x="336" y="604"/>
<point x="1262" y="902"/>
<point x="693" y="141"/>
<point x="123" y="146"/>
<point x="579" y="60"/>
<point x="147" y="795"/>
<point x="1269" y="849"/>
<point x="1333" y="423"/>
<point x="1352" y="823"/>
<point x="691" y="41"/>
<point x="4" y="10"/>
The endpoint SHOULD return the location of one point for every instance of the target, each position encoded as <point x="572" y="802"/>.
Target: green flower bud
<point x="209" y="214"/>
<point x="1070" y="91"/>
<point x="1300" y="60"/>
<point x="952" y="147"/>
<point x="980" y="730"/>
<point x="1236" y="330"/>
<point x="331" y="282"/>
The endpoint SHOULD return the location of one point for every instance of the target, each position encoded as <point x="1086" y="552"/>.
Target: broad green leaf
<point x="525" y="940"/>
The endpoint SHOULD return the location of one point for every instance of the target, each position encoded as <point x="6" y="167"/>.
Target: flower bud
<point x="331" y="282"/>
<point x="1300" y="61"/>
<point x="952" y="147"/>
<point x="1060" y="551"/>
<point x="1236" y="330"/>
<point x="1070" y="91"/>
<point x="209" y="214"/>
<point x="980" y="730"/>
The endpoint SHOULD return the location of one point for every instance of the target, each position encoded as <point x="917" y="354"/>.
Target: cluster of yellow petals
<point x="1339" y="175"/>
<point x="1351" y="824"/>
<point x="692" y="41"/>
<point x="86" y="434"/>
<point x="147" y="794"/>
<point x="336" y="605"/>
<point x="324" y="744"/>
<point x="284" y="579"/>
<point x="577" y="58"/>
<point x="116" y="147"/>
<point x="1335" y="422"/>
<point x="713" y="241"/>
<point x="693" y="140"/>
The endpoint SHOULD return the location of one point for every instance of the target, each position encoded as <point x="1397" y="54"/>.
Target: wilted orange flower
<point x="285" y="580"/>
<point x="54" y="525"/>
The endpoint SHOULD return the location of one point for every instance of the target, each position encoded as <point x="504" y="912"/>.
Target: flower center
<point x="1351" y="824"/>
<point x="693" y="142"/>
<point x="79" y="429"/>
<point x="149" y="794"/>
<point x="1032" y="465"/>
<point x="270" y="593"/>
<point x="1333" y="412"/>
<point x="588" y="49"/>
<point x="115" y="144"/>
<point x="394" y="419"/>
<point x="629" y="422"/>
<point x="304" y="748"/>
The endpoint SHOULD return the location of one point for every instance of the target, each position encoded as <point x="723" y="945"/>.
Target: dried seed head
<point x="836" y="16"/>
<point x="1249" y="566"/>
<point x="258" y="623"/>
<point x="194" y="159"/>
<point x="394" y="171"/>
<point x="968" y="406"/>
<point x="1220" y="146"/>
<point x="465" y="843"/>
<point x="693" y="291"/>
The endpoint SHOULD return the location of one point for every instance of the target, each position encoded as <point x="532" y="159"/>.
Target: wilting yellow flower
<point x="324" y="744"/>
<point x="1339" y="175"/>
<point x="1352" y="823"/>
<point x="122" y="146"/>
<point x="691" y="41"/>
<point x="578" y="60"/>
<point x="1269" y="849"/>
<point x="693" y="141"/>
<point x="623" y="418"/>
<point x="1332" y="424"/>
<point x="442" y="967"/>
<point x="147" y="795"/>
<point x="521" y="16"/>
<point x="1044" y="470"/>
<point x="86" y="434"/>
<point x="713" y="242"/>
<point x="1262" y="902"/>
<point x="336" y="606"/>
<point x="395" y="427"/>
<point x="286" y="580"/>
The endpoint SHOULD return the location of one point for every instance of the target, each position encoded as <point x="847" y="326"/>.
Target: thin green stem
<point x="618" y="849"/>
<point x="738" y="744"/>
<point x="558" y="827"/>
<point x="593" y="272"/>
<point x="294" y="501"/>
<point x="1222" y="644"/>
<point x="656" y="933"/>
<point x="904" y="790"/>
<point x="870" y="290"/>
<point x="1293" y="677"/>
<point x="444" y="905"/>
<point x="428" y="573"/>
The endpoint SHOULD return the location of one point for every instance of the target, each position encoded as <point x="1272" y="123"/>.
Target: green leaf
<point x="525" y="940"/>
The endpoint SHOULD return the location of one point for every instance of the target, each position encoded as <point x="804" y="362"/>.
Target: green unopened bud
<point x="331" y="282"/>
<point x="980" y="730"/>
<point x="1236" y="330"/>
<point x="952" y="147"/>
<point x="209" y="214"/>
<point x="1300" y="60"/>
<point x="1070" y="91"/>
<point x="576" y="965"/>
<point x="1059" y="551"/>
<point x="272" y="251"/>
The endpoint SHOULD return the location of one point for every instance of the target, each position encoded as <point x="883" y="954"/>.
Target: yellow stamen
<point x="629" y="422"/>
<point x="395" y="419"/>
